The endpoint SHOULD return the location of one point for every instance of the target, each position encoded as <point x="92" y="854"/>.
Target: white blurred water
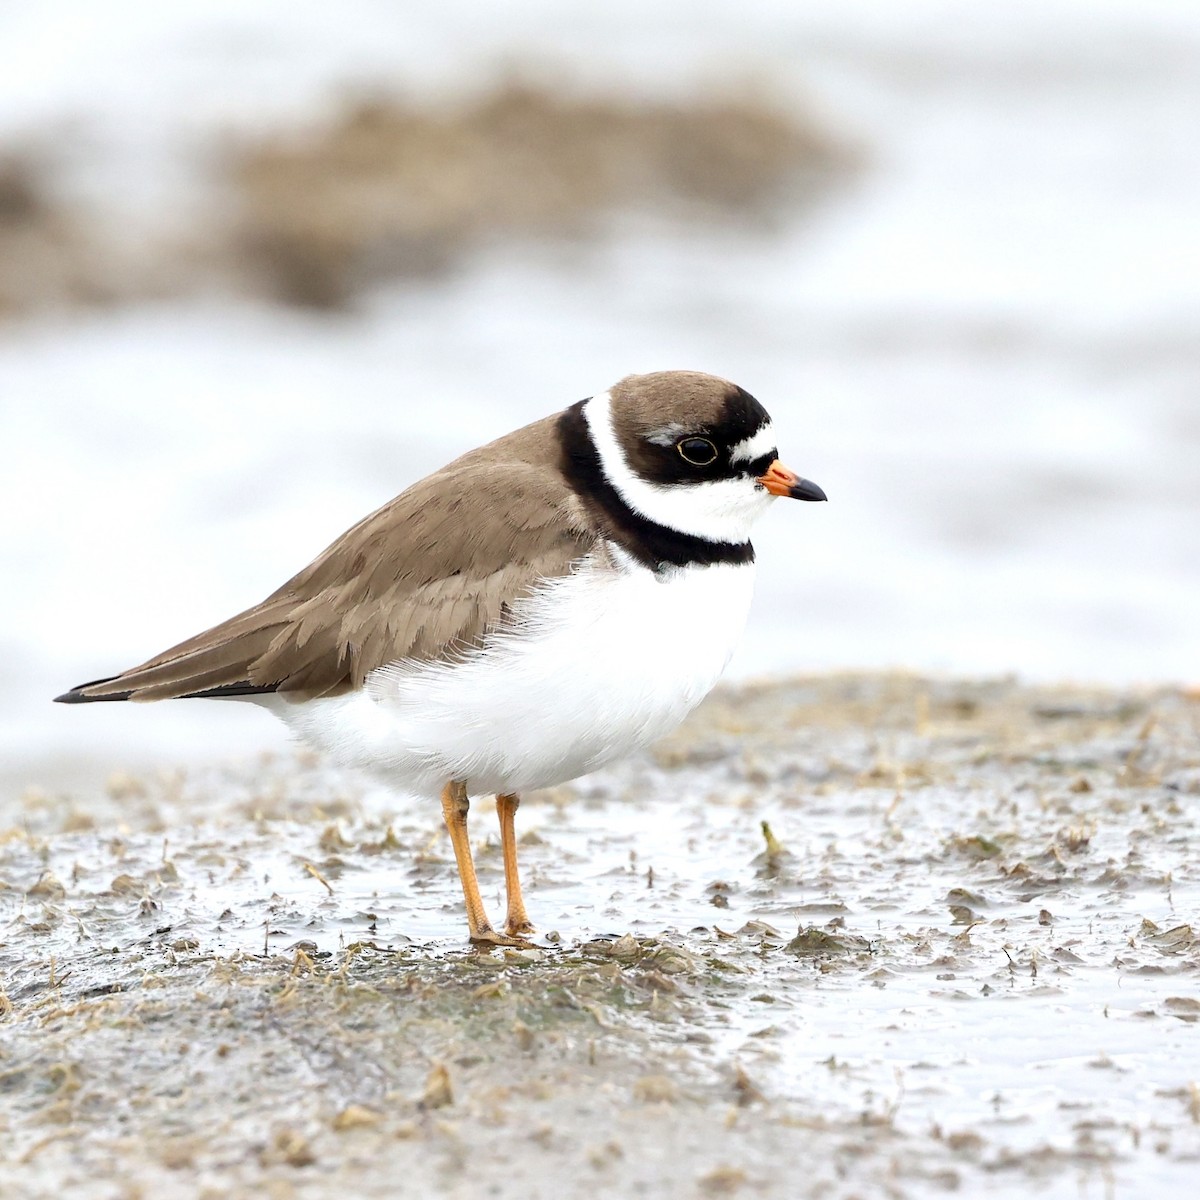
<point x="986" y="351"/>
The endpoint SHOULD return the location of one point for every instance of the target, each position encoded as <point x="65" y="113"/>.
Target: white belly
<point x="597" y="664"/>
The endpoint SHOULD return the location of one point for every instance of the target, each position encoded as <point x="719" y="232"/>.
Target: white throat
<point x="720" y="510"/>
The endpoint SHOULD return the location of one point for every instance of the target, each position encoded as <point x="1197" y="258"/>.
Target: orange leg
<point x="455" y="807"/>
<point x="518" y="921"/>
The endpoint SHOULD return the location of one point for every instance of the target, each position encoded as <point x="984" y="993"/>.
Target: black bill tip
<point x="805" y="489"/>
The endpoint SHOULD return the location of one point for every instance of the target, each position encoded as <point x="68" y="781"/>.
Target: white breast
<point x="597" y="664"/>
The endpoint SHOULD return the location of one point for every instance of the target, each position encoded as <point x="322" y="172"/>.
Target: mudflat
<point x="846" y="935"/>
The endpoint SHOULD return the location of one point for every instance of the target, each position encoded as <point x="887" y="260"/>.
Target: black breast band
<point x="653" y="545"/>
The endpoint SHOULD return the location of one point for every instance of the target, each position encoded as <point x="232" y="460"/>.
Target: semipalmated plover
<point x="540" y="607"/>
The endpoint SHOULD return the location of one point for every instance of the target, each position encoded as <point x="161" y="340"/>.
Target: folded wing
<point x="426" y="576"/>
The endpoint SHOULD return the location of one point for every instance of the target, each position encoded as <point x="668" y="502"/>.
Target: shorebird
<point x="543" y="605"/>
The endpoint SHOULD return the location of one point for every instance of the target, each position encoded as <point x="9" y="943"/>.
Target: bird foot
<point x="487" y="936"/>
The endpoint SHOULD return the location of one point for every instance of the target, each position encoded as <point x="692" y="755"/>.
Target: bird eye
<point x="700" y="452"/>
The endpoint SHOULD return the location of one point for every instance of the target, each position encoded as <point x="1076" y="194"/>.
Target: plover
<point x="542" y="606"/>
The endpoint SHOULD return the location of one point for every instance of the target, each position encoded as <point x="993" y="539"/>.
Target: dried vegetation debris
<point x="387" y="189"/>
<point x="940" y="899"/>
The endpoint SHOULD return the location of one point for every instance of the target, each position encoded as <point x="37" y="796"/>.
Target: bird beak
<point x="779" y="481"/>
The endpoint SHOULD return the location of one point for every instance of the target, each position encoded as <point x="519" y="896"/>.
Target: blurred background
<point x="262" y="266"/>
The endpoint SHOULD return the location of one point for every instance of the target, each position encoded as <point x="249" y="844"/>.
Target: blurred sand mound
<point x="47" y="256"/>
<point x="386" y="189"/>
<point x="393" y="190"/>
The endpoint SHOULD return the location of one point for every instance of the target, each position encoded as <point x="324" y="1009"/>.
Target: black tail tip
<point x="76" y="694"/>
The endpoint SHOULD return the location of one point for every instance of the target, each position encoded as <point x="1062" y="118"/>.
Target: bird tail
<point x="221" y="662"/>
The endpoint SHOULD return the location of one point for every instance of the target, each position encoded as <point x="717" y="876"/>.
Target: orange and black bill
<point x="779" y="481"/>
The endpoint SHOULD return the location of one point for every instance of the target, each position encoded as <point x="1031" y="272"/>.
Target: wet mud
<point x="842" y="936"/>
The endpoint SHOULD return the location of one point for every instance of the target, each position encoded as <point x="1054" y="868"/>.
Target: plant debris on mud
<point x="836" y="936"/>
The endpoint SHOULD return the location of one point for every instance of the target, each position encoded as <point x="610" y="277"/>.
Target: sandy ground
<point x="963" y="959"/>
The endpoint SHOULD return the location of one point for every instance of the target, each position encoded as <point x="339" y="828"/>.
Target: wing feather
<point x="429" y="573"/>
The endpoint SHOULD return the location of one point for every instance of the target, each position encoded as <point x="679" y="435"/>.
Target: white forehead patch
<point x="718" y="510"/>
<point x="755" y="446"/>
<point x="668" y="435"/>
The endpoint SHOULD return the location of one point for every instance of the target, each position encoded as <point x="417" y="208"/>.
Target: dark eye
<point x="700" y="452"/>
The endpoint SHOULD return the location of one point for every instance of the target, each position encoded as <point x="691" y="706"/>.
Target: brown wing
<point x="425" y="576"/>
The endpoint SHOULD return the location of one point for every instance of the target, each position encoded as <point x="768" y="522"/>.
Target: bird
<point x="540" y="607"/>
